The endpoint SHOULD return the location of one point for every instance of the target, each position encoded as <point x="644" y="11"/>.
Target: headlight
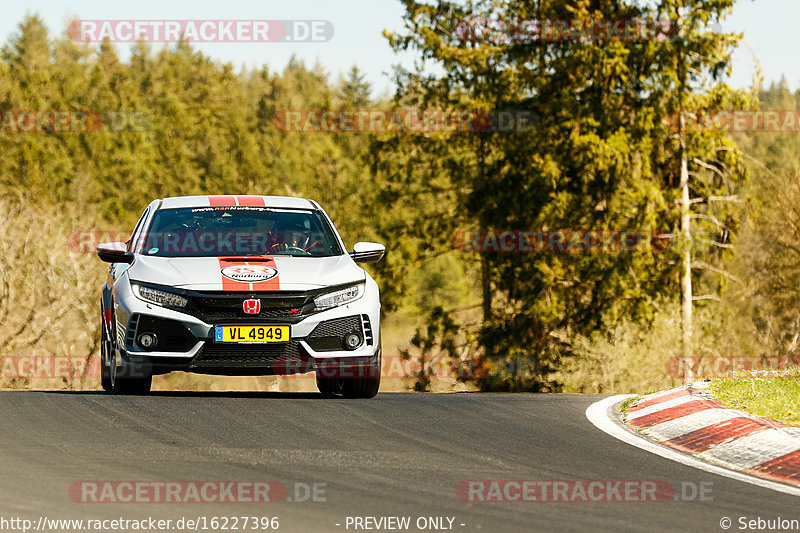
<point x="340" y="297"/>
<point x="158" y="296"/>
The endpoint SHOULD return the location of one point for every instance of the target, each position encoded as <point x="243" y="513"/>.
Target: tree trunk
<point x="686" y="240"/>
<point x="487" y="290"/>
<point x="486" y="286"/>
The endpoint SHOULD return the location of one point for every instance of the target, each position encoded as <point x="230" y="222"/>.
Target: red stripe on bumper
<point x="703" y="439"/>
<point x="671" y="413"/>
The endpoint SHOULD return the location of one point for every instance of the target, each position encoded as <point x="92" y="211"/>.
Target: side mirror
<point x="367" y="252"/>
<point x="114" y="252"/>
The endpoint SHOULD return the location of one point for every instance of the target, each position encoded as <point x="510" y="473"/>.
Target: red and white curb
<point x="690" y="420"/>
<point x="686" y="425"/>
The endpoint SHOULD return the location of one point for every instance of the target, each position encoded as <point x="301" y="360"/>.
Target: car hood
<point x="268" y="274"/>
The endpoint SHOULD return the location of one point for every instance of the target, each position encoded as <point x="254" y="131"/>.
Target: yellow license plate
<point x="253" y="334"/>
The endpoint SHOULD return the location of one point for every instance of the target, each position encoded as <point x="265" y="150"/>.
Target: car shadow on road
<point x="198" y="394"/>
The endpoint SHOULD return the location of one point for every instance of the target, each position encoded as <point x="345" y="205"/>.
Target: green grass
<point x="774" y="395"/>
<point x="627" y="403"/>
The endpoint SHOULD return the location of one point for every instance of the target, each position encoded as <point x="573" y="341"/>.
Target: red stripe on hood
<point x="272" y="284"/>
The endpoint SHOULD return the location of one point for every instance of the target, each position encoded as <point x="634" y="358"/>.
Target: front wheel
<point x="366" y="385"/>
<point x="329" y="385"/>
<point x="123" y="383"/>
<point x="133" y="385"/>
<point x="105" y="349"/>
<point x="361" y="387"/>
<point x="117" y="378"/>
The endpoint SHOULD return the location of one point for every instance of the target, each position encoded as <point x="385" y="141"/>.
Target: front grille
<point x="229" y="355"/>
<point x="216" y="315"/>
<point x="327" y="336"/>
<point x="214" y="308"/>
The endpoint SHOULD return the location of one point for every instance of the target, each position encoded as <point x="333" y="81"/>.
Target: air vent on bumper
<point x="329" y="336"/>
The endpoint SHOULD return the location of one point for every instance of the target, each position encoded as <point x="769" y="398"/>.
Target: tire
<point x="133" y="385"/>
<point x="364" y="387"/>
<point x="329" y="386"/>
<point x="105" y="373"/>
<point x="116" y="377"/>
<point x="121" y="383"/>
<point x="105" y="349"/>
<point x="361" y="387"/>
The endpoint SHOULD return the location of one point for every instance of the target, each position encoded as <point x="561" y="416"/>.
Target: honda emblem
<point x="252" y="307"/>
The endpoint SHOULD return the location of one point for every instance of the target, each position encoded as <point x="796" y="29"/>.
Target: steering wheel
<point x="296" y="249"/>
<point x="287" y="248"/>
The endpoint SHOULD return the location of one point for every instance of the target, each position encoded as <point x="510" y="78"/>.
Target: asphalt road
<point x="395" y="455"/>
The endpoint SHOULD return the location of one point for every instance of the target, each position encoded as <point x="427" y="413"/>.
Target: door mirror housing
<point x="367" y="252"/>
<point x="114" y="252"/>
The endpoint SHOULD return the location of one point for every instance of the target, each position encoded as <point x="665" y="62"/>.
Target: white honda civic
<point x="240" y="285"/>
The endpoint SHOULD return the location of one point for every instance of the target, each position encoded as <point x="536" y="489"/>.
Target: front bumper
<point x="186" y="342"/>
<point x="254" y="365"/>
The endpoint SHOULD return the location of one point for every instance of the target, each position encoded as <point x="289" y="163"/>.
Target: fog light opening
<point x="147" y="340"/>
<point x="352" y="340"/>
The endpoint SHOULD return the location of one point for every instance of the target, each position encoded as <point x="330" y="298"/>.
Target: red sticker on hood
<point x="249" y="274"/>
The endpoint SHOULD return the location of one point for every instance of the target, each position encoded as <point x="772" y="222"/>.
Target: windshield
<point x="240" y="231"/>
